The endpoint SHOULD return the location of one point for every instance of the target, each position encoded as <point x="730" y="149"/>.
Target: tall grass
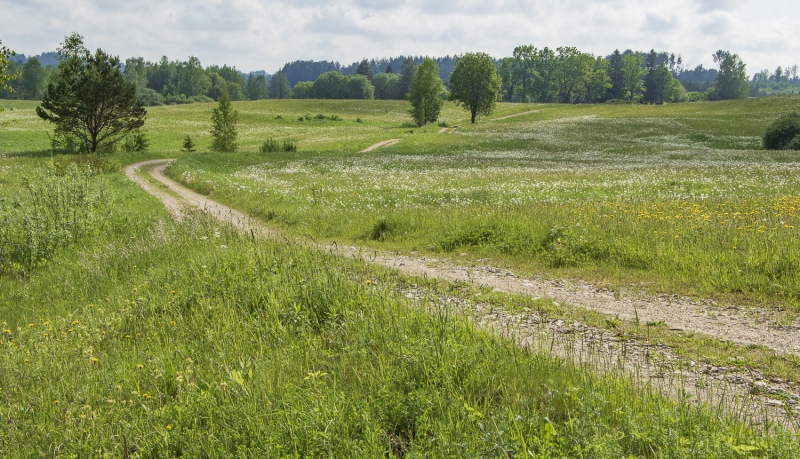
<point x="62" y="207"/>
<point x="194" y="341"/>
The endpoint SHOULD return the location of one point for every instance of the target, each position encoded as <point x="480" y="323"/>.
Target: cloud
<point x="264" y="34"/>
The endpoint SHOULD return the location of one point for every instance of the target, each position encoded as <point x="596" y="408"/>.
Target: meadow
<point x="132" y="335"/>
<point x="676" y="198"/>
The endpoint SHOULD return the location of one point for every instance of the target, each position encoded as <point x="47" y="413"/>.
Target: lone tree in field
<point x="88" y="98"/>
<point x="425" y="93"/>
<point x="224" y="120"/>
<point x="474" y="84"/>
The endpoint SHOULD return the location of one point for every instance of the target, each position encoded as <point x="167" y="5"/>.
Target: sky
<point x="263" y="35"/>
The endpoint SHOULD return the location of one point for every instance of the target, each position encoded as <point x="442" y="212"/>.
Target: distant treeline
<point x="300" y="71"/>
<point x="540" y="75"/>
<point x="157" y="83"/>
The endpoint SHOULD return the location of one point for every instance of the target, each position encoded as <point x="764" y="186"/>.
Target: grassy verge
<point x="679" y="199"/>
<point x="153" y="339"/>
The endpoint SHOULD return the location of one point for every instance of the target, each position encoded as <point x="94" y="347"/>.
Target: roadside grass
<point x="691" y="349"/>
<point x="678" y="198"/>
<point x="152" y="339"/>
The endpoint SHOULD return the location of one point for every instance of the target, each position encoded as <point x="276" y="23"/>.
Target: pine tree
<point x="365" y="69"/>
<point x="617" y="90"/>
<point x="652" y="80"/>
<point x="389" y="69"/>
<point x="224" y="120"/>
<point x="406" y="75"/>
<point x="188" y="144"/>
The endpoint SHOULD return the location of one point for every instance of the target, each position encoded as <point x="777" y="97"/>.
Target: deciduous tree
<point x="5" y="55"/>
<point x="425" y="93"/>
<point x="731" y="83"/>
<point x="474" y="84"/>
<point x="279" y="86"/>
<point x="88" y="98"/>
<point x="224" y="121"/>
<point x="633" y="72"/>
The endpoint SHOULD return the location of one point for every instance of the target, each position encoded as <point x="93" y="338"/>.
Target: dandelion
<point x="74" y="322"/>
<point x="56" y="402"/>
<point x="139" y="366"/>
<point x="30" y="325"/>
<point x="146" y="396"/>
<point x="169" y="426"/>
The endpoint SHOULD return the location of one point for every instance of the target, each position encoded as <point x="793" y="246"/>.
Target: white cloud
<point x="256" y="34"/>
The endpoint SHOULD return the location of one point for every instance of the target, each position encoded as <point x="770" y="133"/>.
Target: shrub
<point x="784" y="133"/>
<point x="272" y="145"/>
<point x="618" y="102"/>
<point x="94" y="163"/>
<point x="696" y="96"/>
<point x="188" y="144"/>
<point x="136" y="141"/>
<point x="289" y="145"/>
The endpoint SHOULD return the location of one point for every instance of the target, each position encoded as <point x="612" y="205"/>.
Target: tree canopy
<point x="88" y="98"/>
<point x="425" y="93"/>
<point x="474" y="84"/>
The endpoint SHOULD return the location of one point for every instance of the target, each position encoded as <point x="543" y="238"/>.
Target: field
<point x="128" y="334"/>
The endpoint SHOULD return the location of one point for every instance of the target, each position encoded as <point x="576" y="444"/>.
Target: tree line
<point x="564" y="75"/>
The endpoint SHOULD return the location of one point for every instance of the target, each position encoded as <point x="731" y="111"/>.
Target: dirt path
<point x="385" y="143"/>
<point x="752" y="326"/>
<point x="516" y="114"/>
<point x="600" y="349"/>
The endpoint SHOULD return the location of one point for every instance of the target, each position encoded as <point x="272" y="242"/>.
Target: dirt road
<point x="739" y="325"/>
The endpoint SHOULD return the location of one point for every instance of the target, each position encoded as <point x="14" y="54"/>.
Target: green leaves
<point x="474" y="84"/>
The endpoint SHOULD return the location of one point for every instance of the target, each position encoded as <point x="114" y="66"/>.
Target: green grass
<point x="156" y="339"/>
<point x="677" y="198"/>
<point x="149" y="338"/>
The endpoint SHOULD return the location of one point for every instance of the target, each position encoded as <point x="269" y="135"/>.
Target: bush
<point x="270" y="146"/>
<point x="188" y="144"/>
<point x="136" y="141"/>
<point x="784" y="133"/>
<point x="95" y="164"/>
<point x="618" y="102"/>
<point x="273" y="145"/>
<point x="696" y="96"/>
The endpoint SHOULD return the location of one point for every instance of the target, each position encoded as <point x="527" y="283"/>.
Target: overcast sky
<point x="263" y="35"/>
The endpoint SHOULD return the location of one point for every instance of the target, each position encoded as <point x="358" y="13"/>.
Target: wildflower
<point x="30" y="325"/>
<point x="56" y="402"/>
<point x="139" y="366"/>
<point x="169" y="426"/>
<point x="368" y="282"/>
<point x="146" y="396"/>
<point x="74" y="322"/>
<point x="95" y="360"/>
